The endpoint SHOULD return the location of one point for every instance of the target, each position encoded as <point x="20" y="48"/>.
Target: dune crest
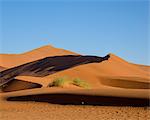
<point x="107" y="76"/>
<point x="12" y="60"/>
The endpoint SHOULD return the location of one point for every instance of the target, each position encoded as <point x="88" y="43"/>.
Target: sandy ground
<point x="46" y="111"/>
<point x="125" y="80"/>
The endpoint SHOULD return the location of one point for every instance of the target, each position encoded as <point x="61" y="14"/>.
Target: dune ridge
<point x="12" y="60"/>
<point x="49" y="65"/>
<point x="109" y="76"/>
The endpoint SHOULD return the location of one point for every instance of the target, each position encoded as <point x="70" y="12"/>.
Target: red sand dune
<point x="113" y="77"/>
<point x="2" y="68"/>
<point x="12" y="60"/>
<point x="16" y="85"/>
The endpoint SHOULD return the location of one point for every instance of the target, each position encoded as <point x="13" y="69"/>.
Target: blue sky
<point x="88" y="27"/>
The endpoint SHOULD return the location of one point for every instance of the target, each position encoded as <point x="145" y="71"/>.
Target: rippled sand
<point x="46" y="111"/>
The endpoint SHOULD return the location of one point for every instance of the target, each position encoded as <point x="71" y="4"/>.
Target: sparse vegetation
<point x="60" y="82"/>
<point x="63" y="81"/>
<point x="81" y="83"/>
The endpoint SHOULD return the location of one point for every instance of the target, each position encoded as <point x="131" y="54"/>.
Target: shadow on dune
<point x="16" y="85"/>
<point x="47" y="66"/>
<point x="127" y="82"/>
<point x="74" y="99"/>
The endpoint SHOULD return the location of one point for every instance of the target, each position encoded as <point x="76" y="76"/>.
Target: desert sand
<point x="12" y="60"/>
<point x="2" y="68"/>
<point x="114" y="83"/>
<point x="46" y="111"/>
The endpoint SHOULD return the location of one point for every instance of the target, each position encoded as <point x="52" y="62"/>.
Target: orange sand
<point x="113" y="77"/>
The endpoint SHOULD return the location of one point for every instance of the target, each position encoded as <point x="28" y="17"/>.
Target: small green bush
<point x="81" y="83"/>
<point x="60" y="82"/>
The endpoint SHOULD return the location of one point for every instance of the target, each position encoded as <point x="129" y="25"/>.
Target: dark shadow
<point x="125" y="83"/>
<point x="47" y="66"/>
<point x="16" y="85"/>
<point x="72" y="99"/>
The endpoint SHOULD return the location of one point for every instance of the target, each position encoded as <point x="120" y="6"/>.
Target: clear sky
<point x="92" y="27"/>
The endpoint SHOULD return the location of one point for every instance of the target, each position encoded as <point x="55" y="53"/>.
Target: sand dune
<point x="48" y="65"/>
<point x="109" y="76"/>
<point x="113" y="68"/>
<point x="2" y="68"/>
<point x="125" y="83"/>
<point x="12" y="60"/>
<point x="16" y="85"/>
<point x="143" y="67"/>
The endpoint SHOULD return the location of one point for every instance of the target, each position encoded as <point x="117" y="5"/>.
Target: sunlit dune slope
<point x="103" y="74"/>
<point x="48" y="65"/>
<point x="12" y="60"/>
<point x="2" y="68"/>
<point x="96" y="73"/>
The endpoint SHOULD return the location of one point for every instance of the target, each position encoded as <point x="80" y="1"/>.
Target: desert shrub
<point x="81" y="83"/>
<point x="60" y="82"/>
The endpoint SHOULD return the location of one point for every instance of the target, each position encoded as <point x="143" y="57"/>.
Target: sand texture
<point x="45" y="111"/>
<point x="119" y="90"/>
